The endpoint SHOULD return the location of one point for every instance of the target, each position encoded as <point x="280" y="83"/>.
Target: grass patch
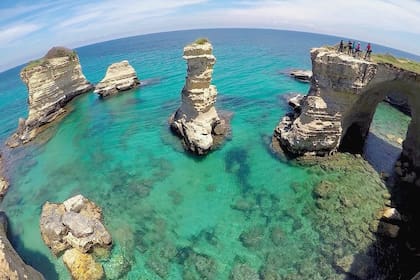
<point x="201" y="41"/>
<point x="402" y="63"/>
<point x="35" y="63"/>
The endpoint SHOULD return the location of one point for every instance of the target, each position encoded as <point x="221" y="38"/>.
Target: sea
<point x="237" y="212"/>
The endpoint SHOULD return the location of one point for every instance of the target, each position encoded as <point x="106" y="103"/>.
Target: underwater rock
<point x="252" y="237"/>
<point x="388" y="230"/>
<point x="76" y="223"/>
<point x="243" y="272"/>
<point x="12" y="266"/>
<point x="119" y="76"/>
<point x="52" y="82"/>
<point x="160" y="266"/>
<point x="360" y="266"/>
<point x="197" y="121"/>
<point x="82" y="266"/>
<point x="117" y="267"/>
<point x="277" y="235"/>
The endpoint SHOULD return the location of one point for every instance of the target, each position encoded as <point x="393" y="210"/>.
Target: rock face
<point x="75" y="226"/>
<point x="337" y="112"/>
<point x="52" y="82"/>
<point x="82" y="266"/>
<point x="303" y="76"/>
<point x="120" y="76"/>
<point x="4" y="184"/>
<point x="11" y="265"/>
<point x="197" y="121"/>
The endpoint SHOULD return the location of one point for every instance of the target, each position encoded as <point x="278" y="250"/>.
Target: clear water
<point x="173" y="215"/>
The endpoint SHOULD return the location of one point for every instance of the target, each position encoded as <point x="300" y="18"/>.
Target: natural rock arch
<point x="340" y="105"/>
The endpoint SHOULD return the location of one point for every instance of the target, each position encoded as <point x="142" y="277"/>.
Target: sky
<point x="28" y="28"/>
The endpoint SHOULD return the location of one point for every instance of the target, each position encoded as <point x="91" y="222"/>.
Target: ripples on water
<point x="237" y="211"/>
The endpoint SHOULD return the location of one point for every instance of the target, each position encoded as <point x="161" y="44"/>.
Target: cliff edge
<point x="197" y="121"/>
<point x="337" y="112"/>
<point x="52" y="82"/>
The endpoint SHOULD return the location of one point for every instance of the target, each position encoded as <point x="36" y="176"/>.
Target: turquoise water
<point x="173" y="215"/>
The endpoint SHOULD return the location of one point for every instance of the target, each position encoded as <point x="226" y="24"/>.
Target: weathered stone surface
<point x="4" y="183"/>
<point x="197" y="120"/>
<point x="302" y="75"/>
<point x="74" y="224"/>
<point x="52" y="82"/>
<point x="119" y="76"/>
<point x="82" y="266"/>
<point x="12" y="266"/>
<point x="340" y="105"/>
<point x="388" y="230"/>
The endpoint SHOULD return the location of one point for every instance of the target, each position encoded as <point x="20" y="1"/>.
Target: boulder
<point x="197" y="122"/>
<point x="12" y="266"/>
<point x="76" y="223"/>
<point x="52" y="82"/>
<point x="119" y="77"/>
<point x="82" y="266"/>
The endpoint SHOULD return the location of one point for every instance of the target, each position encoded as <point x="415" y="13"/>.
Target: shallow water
<point x="173" y="215"/>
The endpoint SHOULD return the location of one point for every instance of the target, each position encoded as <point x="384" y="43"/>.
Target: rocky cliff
<point x="337" y="112"/>
<point x="119" y="76"/>
<point x="52" y="82"/>
<point x="197" y="121"/>
<point x="4" y="184"/>
<point x="12" y="266"/>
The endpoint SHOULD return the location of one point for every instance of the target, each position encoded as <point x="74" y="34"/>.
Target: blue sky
<point x="28" y="28"/>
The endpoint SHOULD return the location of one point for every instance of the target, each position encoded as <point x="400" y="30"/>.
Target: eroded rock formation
<point x="340" y="105"/>
<point x="52" y="82"/>
<point x="119" y="76"/>
<point x="4" y="183"/>
<point x="12" y="266"/>
<point x="197" y="121"/>
<point x="75" y="226"/>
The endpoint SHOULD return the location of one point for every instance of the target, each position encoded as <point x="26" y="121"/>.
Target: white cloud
<point x="13" y="33"/>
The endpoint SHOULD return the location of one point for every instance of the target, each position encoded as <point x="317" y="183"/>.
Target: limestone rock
<point x="391" y="214"/>
<point x="12" y="266"/>
<point x="119" y="76"/>
<point x="338" y="110"/>
<point x="388" y="230"/>
<point x="302" y="75"/>
<point x="4" y="184"/>
<point x="197" y="121"/>
<point x="52" y="82"/>
<point x="82" y="266"/>
<point x="76" y="223"/>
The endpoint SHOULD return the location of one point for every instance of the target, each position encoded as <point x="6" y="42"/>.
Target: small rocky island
<point x="52" y="82"/>
<point x="75" y="227"/>
<point x="197" y="122"/>
<point x="119" y="77"/>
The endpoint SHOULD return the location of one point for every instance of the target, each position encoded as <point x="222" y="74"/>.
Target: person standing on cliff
<point x="357" y="50"/>
<point x="368" y="51"/>
<point x="341" y="48"/>
<point x="349" y="48"/>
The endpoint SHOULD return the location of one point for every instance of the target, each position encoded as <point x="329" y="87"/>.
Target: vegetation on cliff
<point x="402" y="63"/>
<point x="54" y="52"/>
<point x="201" y="41"/>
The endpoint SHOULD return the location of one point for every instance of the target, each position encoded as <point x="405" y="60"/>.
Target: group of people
<point x="355" y="50"/>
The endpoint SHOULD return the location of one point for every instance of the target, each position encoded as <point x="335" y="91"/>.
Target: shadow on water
<point x="380" y="153"/>
<point x="389" y="256"/>
<point x="35" y="259"/>
<point x="236" y="162"/>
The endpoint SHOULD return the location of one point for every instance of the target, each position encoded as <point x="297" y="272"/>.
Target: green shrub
<point x="201" y="41"/>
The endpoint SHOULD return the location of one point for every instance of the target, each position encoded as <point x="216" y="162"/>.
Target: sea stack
<point x="197" y="122"/>
<point x="119" y="76"/>
<point x="11" y="265"/>
<point x="52" y="82"/>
